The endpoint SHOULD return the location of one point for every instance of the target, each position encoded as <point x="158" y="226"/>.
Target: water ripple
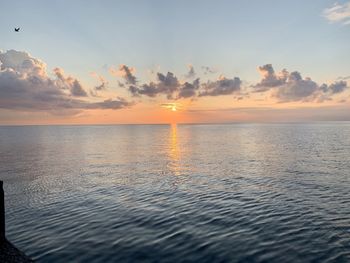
<point x="266" y="193"/>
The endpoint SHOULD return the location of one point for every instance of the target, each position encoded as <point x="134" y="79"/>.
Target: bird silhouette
<point x="17" y="29"/>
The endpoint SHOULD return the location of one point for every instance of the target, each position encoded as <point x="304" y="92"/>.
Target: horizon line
<point x="177" y="123"/>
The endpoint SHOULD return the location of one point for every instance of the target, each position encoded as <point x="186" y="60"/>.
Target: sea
<point x="241" y="192"/>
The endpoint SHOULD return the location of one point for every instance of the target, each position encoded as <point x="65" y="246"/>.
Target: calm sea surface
<point x="179" y="193"/>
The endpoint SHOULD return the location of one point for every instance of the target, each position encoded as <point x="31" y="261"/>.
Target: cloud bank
<point x="25" y="85"/>
<point x="287" y="87"/>
<point x="222" y="86"/>
<point x="284" y="86"/>
<point x="171" y="87"/>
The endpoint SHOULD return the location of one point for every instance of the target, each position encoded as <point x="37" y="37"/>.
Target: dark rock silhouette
<point x="2" y="213"/>
<point x="8" y="252"/>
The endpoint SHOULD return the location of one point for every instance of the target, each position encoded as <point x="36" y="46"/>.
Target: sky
<point x="109" y="62"/>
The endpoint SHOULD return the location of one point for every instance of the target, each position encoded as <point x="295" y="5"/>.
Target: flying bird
<point x="17" y="29"/>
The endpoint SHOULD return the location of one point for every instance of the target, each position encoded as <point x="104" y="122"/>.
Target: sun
<point x="172" y="106"/>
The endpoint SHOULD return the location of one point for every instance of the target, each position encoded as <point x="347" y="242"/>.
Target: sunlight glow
<point x="174" y="151"/>
<point x="171" y="106"/>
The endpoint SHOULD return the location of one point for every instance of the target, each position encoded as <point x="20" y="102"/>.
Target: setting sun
<point x="175" y="131"/>
<point x="171" y="106"/>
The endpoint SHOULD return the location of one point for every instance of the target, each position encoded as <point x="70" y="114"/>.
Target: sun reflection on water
<point x="174" y="151"/>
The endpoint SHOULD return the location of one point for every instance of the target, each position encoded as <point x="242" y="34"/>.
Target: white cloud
<point x="338" y="13"/>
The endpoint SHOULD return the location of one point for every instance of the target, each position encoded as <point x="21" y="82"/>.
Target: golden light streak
<point x="173" y="106"/>
<point x="174" y="151"/>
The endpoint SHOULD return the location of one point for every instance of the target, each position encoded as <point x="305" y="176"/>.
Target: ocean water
<point x="179" y="193"/>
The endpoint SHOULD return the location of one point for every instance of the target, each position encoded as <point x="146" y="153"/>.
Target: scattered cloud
<point x="269" y="78"/>
<point x="165" y="85"/>
<point x="171" y="87"/>
<point x="284" y="86"/>
<point x="103" y="82"/>
<point x="222" y="86"/>
<point x="338" y="13"/>
<point x="188" y="90"/>
<point x="150" y="90"/>
<point x="69" y="83"/>
<point x="25" y="85"/>
<point x="125" y="72"/>
<point x="208" y="70"/>
<point x="334" y="88"/>
<point x="191" y="73"/>
<point x="292" y="86"/>
<point x="116" y="104"/>
<point x="295" y="88"/>
<point x="168" y="83"/>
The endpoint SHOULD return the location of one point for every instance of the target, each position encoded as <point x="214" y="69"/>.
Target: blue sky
<point x="233" y="38"/>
